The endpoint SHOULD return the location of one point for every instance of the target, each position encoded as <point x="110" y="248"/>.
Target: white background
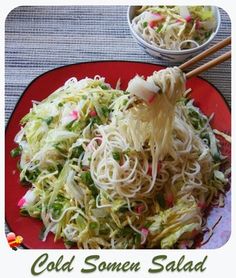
<point x="220" y="263"/>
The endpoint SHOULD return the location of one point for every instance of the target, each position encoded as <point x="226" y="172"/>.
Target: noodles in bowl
<point x="175" y="27"/>
<point x="173" y="33"/>
<point x="110" y="171"/>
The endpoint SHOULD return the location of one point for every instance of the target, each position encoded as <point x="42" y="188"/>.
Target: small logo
<point x="13" y="240"/>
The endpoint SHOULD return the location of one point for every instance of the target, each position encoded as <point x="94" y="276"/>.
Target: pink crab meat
<point x="21" y="202"/>
<point x="188" y="18"/>
<point x="139" y="209"/>
<point x="149" y="170"/>
<point x="197" y="24"/>
<point x="169" y="198"/>
<point x="151" y="99"/>
<point x="202" y="204"/>
<point x="159" y="166"/>
<point x="93" y="113"/>
<point x="74" y="114"/>
<point x="145" y="233"/>
<point x="152" y="23"/>
<point x="158" y="16"/>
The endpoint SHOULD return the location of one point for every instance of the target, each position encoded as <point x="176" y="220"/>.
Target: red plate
<point x="206" y="96"/>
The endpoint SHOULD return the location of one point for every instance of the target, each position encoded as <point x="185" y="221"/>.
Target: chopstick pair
<point x="205" y="54"/>
<point x="207" y="65"/>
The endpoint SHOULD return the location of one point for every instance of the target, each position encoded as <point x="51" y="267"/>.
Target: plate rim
<point x="108" y="61"/>
<point x="93" y="62"/>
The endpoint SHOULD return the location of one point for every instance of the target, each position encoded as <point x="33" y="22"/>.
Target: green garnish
<point x="86" y="178"/>
<point x="105" y="111"/>
<point x="49" y="120"/>
<point x="116" y="156"/>
<point x="137" y="239"/>
<point x="77" y="151"/>
<point x="17" y="151"/>
<point x="161" y="200"/>
<point x="145" y="24"/>
<point x="104" y="87"/>
<point x="93" y="225"/>
<point x="158" y="30"/>
<point x="126" y="231"/>
<point x="32" y="175"/>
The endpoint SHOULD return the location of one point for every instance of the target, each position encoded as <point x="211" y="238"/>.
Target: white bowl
<point x="174" y="56"/>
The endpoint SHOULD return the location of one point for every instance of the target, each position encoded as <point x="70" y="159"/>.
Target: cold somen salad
<point x="108" y="168"/>
<point x="175" y="27"/>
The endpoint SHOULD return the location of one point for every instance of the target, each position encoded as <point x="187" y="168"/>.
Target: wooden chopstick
<point x="209" y="65"/>
<point x="200" y="57"/>
<point x="206" y="53"/>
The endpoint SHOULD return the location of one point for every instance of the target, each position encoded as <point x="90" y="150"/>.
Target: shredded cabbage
<point x="111" y="171"/>
<point x="175" y="27"/>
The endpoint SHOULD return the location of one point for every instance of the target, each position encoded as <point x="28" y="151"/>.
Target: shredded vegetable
<point x="108" y="172"/>
<point x="175" y="27"/>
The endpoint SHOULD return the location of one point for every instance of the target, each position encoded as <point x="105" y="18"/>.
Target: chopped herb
<point x="104" y="87"/>
<point x="49" y="120"/>
<point x="196" y="119"/>
<point x="81" y="223"/>
<point x="69" y="126"/>
<point x="93" y="190"/>
<point x="125" y="101"/>
<point x="207" y="35"/>
<point x="148" y="224"/>
<point x="145" y="24"/>
<point x="123" y="209"/>
<point x="86" y="178"/>
<point x="93" y="225"/>
<point x="69" y="243"/>
<point x="78" y="125"/>
<point x="126" y="231"/>
<point x="95" y="120"/>
<point x="137" y="239"/>
<point x="84" y="97"/>
<point x="57" y="209"/>
<point x="105" y="111"/>
<point x="216" y="157"/>
<point x="158" y="30"/>
<point x="116" y="156"/>
<point x="77" y="151"/>
<point x="15" y="152"/>
<point x="24" y="212"/>
<point x="197" y="39"/>
<point x="60" y="104"/>
<point x="57" y="206"/>
<point x="32" y="175"/>
<point x="161" y="200"/>
<point x="60" y="198"/>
